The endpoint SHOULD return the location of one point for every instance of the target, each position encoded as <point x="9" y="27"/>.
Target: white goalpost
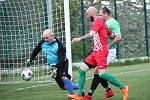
<point x="21" y="25"/>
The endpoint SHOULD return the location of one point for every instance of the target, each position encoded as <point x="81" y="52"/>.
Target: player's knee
<point x="84" y="67"/>
<point x="101" y="71"/>
<point x="64" y="78"/>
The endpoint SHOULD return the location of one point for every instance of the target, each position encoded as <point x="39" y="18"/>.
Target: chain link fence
<point x="134" y="27"/>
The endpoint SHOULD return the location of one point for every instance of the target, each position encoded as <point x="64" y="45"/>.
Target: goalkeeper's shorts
<point x="63" y="71"/>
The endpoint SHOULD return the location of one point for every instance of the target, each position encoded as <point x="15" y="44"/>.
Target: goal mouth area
<point x="22" y="25"/>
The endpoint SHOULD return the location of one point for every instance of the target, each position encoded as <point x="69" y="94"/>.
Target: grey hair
<point x="48" y="31"/>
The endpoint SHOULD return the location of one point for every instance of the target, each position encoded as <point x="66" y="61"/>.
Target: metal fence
<point x="134" y="19"/>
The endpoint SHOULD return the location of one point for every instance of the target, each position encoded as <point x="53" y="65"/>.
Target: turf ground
<point x="137" y="77"/>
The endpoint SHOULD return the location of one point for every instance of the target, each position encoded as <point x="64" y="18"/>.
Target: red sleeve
<point x="109" y="32"/>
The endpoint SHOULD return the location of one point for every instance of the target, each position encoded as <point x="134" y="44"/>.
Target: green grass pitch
<point x="137" y="77"/>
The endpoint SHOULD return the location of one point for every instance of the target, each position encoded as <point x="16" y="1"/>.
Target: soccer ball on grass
<point x="26" y="74"/>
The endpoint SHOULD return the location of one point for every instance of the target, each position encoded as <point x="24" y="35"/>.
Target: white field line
<point x="128" y="72"/>
<point x="35" y="86"/>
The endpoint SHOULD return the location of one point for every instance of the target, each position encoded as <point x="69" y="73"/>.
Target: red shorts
<point x="97" y="59"/>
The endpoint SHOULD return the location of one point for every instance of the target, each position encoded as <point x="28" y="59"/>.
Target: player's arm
<point x="117" y="35"/>
<point x="110" y="34"/>
<point x="36" y="50"/>
<point x="90" y="34"/>
<point x="61" y="54"/>
<point x="115" y="40"/>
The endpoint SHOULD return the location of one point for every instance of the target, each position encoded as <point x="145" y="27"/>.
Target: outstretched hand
<point x="29" y="61"/>
<point x="53" y="71"/>
<point x="75" y="40"/>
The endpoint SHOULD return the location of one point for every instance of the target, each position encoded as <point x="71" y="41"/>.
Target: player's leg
<point x="117" y="83"/>
<point x="64" y="83"/>
<point x="65" y="69"/>
<point x="58" y="78"/>
<point x="82" y="77"/>
<point x="102" y="65"/>
<point x="112" y="80"/>
<point x="81" y="82"/>
<point x="65" y="77"/>
<point x="68" y="85"/>
<point x="89" y="62"/>
<point x="111" y="56"/>
<point x="110" y="59"/>
<point x="61" y="83"/>
<point x="75" y="86"/>
<point x="109" y="92"/>
<point x="95" y="82"/>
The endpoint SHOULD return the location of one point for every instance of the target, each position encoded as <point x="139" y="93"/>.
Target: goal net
<point x="21" y="25"/>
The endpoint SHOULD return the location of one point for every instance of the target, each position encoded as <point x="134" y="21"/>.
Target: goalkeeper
<point x="55" y="53"/>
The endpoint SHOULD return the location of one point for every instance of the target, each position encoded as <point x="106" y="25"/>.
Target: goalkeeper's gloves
<point x="53" y="71"/>
<point x="29" y="62"/>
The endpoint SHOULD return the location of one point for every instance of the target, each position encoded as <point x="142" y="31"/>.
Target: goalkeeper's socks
<point x="75" y="86"/>
<point x="81" y="81"/>
<point x="68" y="86"/>
<point x="112" y="80"/>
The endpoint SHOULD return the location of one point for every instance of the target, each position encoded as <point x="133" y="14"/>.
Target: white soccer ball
<point x="27" y="74"/>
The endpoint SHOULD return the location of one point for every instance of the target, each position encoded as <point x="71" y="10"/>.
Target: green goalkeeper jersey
<point x="114" y="26"/>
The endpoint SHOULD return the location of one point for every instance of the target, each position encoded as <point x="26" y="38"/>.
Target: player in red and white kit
<point x="98" y="58"/>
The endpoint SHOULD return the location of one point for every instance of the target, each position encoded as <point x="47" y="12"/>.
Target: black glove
<point x="29" y="62"/>
<point x="53" y="71"/>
